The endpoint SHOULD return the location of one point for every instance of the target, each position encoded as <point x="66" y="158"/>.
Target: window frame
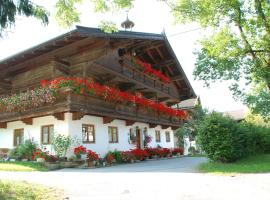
<point x="158" y="139"/>
<point x="49" y="136"/>
<point x="168" y="139"/>
<point x="117" y="138"/>
<point x="21" y="138"/>
<point x="94" y="134"/>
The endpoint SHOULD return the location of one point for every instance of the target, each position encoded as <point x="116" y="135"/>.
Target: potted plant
<point x="61" y="144"/>
<point x="92" y="157"/>
<point x="79" y="151"/>
<point x="110" y="159"/>
<point x="39" y="156"/>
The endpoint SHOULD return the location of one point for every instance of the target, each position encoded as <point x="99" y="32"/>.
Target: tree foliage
<point x="190" y="127"/>
<point x="10" y="8"/>
<point x="66" y="12"/>
<point x="238" y="47"/>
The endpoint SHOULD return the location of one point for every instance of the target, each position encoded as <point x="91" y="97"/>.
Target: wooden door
<point x="138" y="138"/>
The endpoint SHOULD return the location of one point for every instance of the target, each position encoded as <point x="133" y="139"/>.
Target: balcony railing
<point x="125" y="68"/>
<point x="68" y="102"/>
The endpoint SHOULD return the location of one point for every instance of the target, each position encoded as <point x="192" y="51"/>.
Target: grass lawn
<point x="252" y="164"/>
<point x="17" y="190"/>
<point x="22" y="166"/>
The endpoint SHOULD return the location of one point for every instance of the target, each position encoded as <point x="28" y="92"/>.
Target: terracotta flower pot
<point x="90" y="163"/>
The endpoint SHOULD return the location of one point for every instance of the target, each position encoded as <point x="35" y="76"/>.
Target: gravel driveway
<point x="174" y="179"/>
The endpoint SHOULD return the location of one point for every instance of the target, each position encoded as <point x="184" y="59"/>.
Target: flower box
<point x="52" y="165"/>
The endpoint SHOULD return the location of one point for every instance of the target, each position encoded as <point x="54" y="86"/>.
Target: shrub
<point x="61" y="144"/>
<point x="24" y="151"/>
<point x="118" y="156"/>
<point x="221" y="138"/>
<point x="27" y="149"/>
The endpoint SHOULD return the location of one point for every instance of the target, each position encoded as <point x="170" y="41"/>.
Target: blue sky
<point x="149" y="16"/>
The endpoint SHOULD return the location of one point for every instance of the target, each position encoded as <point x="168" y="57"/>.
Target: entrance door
<point x="138" y="138"/>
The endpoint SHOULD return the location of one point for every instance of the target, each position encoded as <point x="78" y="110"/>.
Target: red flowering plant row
<point x="39" y="153"/>
<point x="139" y="154"/>
<point x="89" y="87"/>
<point x="148" y="69"/>
<point x="178" y="150"/>
<point x="164" y="152"/>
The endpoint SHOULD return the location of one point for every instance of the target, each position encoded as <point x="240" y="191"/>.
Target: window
<point x="88" y="133"/>
<point x="18" y="137"/>
<point x="157" y="136"/>
<point x="168" y="136"/>
<point x="46" y="134"/>
<point x="113" y="134"/>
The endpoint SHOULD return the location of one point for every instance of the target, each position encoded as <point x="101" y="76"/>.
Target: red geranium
<point x="80" y="150"/>
<point x="140" y="154"/>
<point x="92" y="156"/>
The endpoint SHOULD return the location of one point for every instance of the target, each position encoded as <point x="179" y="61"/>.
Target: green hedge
<point x="223" y="139"/>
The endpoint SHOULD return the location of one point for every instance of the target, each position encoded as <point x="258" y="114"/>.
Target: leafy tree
<point x="238" y="47"/>
<point x="190" y="127"/>
<point x="257" y="120"/>
<point x="10" y="8"/>
<point x="66" y="11"/>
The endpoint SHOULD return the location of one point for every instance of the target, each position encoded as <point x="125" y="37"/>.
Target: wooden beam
<point x="153" y="125"/>
<point x="130" y="122"/>
<point x="77" y="115"/>
<point x="164" y="126"/>
<point x="3" y="125"/>
<point x="107" y="120"/>
<point x="5" y="84"/>
<point x="177" y="78"/>
<point x="61" y="66"/>
<point x="162" y="99"/>
<point x="28" y="121"/>
<point x="59" y="116"/>
<point x="164" y="62"/>
<point x="160" y="53"/>
<point x="174" y="127"/>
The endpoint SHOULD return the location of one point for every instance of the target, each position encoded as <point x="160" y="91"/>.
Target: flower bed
<point x="130" y="156"/>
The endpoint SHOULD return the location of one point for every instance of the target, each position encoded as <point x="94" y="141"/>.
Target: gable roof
<point x="84" y="32"/>
<point x="236" y="114"/>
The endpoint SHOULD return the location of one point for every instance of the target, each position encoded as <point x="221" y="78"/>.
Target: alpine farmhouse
<point x="107" y="91"/>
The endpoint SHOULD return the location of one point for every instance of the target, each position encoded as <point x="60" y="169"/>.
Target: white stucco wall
<point x="74" y="129"/>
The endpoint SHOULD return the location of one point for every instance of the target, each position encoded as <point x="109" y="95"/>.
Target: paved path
<point x="173" y="179"/>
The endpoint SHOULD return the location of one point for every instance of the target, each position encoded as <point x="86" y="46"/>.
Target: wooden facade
<point x="106" y="58"/>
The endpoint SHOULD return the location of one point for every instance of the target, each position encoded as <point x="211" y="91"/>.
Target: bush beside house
<point x="225" y="140"/>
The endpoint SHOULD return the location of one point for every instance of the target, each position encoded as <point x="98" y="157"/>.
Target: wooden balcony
<point x="125" y="68"/>
<point x="81" y="105"/>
